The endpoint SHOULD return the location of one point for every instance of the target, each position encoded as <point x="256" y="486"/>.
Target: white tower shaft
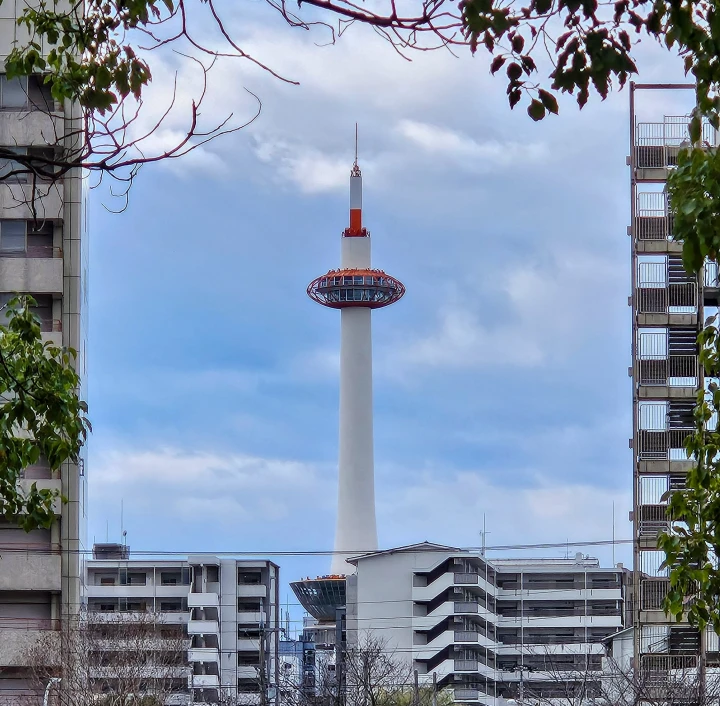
<point x="356" y="530"/>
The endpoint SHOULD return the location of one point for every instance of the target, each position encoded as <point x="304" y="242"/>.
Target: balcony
<point x="466" y="694"/>
<point x="21" y="634"/>
<point x="251" y="617"/>
<point x="54" y="484"/>
<point x="205" y="681"/>
<point x="30" y="571"/>
<point x="248" y="644"/>
<point x="43" y="275"/>
<point x="203" y="627"/>
<point x="15" y="201"/>
<point x="465" y="579"/>
<point x="204" y="654"/>
<point x="466" y="665"/>
<point x="203" y="600"/>
<point x="667" y="371"/>
<point x="663" y="444"/>
<point x="466" y="607"/>
<point x="652" y="593"/>
<point x="657" y="145"/>
<point x="31" y="128"/>
<point x="252" y="591"/>
<point x="248" y="671"/>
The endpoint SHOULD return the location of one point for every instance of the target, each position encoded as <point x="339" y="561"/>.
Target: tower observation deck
<point x="356" y="289"/>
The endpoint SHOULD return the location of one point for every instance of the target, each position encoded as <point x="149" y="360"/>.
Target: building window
<point x="9" y="165"/>
<point x="245" y="606"/>
<point x="20" y="238"/>
<point x="13" y="93"/>
<point x="171" y="606"/>
<point x="252" y="578"/>
<point x="12" y="237"/>
<point x="25" y="93"/>
<point x="107" y="581"/>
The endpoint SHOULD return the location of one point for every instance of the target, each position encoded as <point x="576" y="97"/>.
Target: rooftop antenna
<point x="122" y="521"/>
<point x="613" y="533"/>
<point x="356" y="144"/>
<point x="484" y="534"/>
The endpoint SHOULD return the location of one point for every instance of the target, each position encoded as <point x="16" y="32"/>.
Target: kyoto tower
<point x="356" y="290"/>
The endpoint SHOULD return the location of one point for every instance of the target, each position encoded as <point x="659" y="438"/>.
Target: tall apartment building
<point x="227" y="608"/>
<point x="488" y="629"/>
<point x="43" y="253"/>
<point x="668" y="309"/>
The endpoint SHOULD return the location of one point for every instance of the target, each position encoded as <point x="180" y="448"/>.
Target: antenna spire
<point x="355" y="168"/>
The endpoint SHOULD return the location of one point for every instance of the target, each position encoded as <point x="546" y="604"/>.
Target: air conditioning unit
<point x="457" y="589"/>
<point x="457" y="619"/>
<point x="457" y="560"/>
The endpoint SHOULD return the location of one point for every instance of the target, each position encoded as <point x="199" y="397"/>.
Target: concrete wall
<point x="21" y="571"/>
<point x="15" y="644"/>
<point x="41" y="275"/>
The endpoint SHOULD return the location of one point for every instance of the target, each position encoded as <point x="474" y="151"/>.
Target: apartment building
<point x="490" y="630"/>
<point x="227" y="609"/>
<point x="43" y="252"/>
<point x="669" y="306"/>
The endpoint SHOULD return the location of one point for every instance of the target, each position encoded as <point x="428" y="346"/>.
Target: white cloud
<point x="450" y="506"/>
<point x="211" y="487"/>
<point x="479" y="156"/>
<point x="192" y="494"/>
<point x="534" y="322"/>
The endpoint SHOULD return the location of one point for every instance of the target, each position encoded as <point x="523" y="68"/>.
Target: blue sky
<point x="501" y="381"/>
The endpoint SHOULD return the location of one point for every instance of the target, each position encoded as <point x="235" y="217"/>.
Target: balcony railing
<point x="466" y="694"/>
<point x="667" y="663"/>
<point x="657" y="144"/>
<point x="653" y="519"/>
<point x="465" y="578"/>
<point x="466" y="636"/>
<point x="673" y="371"/>
<point x="667" y="299"/>
<point x="466" y="607"/>
<point x="466" y="665"/>
<point x="652" y="593"/>
<point x="663" y="444"/>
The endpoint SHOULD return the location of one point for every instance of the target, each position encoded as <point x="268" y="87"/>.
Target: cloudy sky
<point x="501" y="385"/>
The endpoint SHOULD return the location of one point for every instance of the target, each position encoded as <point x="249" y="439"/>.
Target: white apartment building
<point x="490" y="629"/>
<point x="227" y="608"/>
<point x="43" y="254"/>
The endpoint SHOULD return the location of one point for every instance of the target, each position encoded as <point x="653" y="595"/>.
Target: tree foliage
<point x="42" y="419"/>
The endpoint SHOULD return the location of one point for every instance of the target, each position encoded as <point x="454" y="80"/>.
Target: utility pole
<point x="434" y="691"/>
<point x="416" y="689"/>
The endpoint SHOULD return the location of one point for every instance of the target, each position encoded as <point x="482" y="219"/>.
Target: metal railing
<point x="465" y="694"/>
<point x="29" y="624"/>
<point x="466" y="665"/>
<point x="673" y="371"/>
<point x="711" y="275"/>
<point x="663" y="444"/>
<point x="667" y="299"/>
<point x="465" y="578"/>
<point x="466" y="636"/>
<point x="652" y="593"/>
<point x="466" y="607"/>
<point x="653" y="519"/>
<point x="652" y="221"/>
<point x="667" y="663"/>
<point x="657" y="144"/>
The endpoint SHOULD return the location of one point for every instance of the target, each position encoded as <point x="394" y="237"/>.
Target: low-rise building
<point x="226" y="609"/>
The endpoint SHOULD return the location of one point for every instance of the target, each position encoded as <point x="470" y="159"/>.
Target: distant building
<point x="490" y="629"/>
<point x="227" y="608"/>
